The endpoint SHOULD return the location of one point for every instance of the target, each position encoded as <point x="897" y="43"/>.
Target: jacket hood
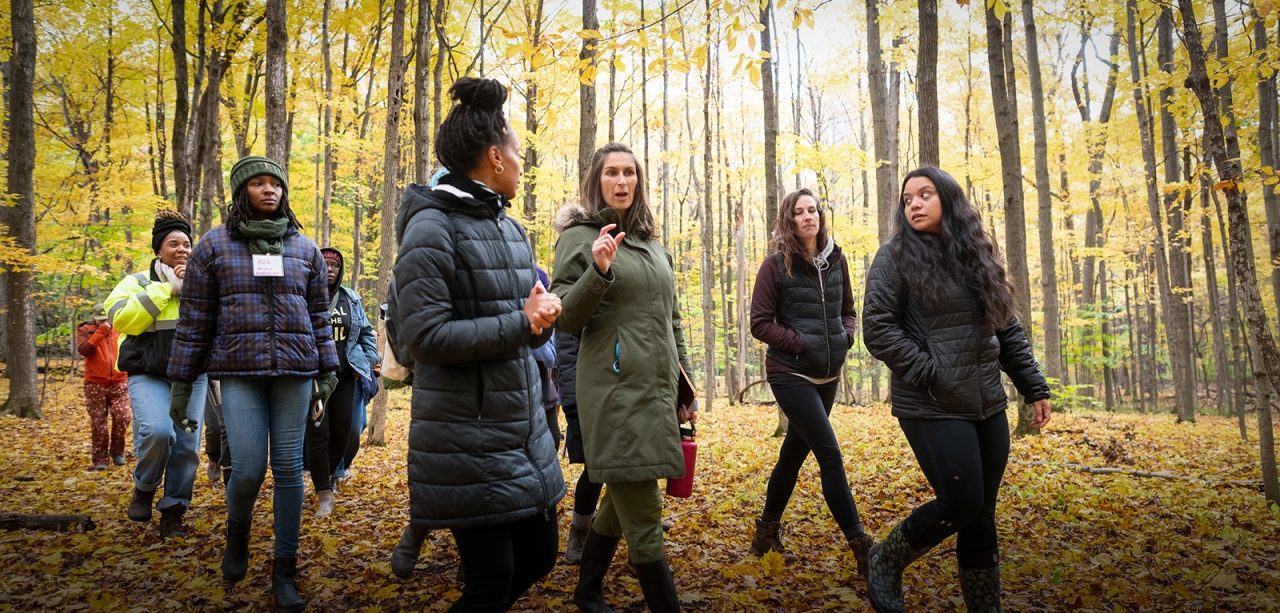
<point x="453" y="193"/>
<point x="571" y="215"/>
<point x="342" y="268"/>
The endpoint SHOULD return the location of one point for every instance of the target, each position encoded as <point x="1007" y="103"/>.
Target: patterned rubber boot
<point x="768" y="538"/>
<point x="884" y="570"/>
<point x="981" y="589"/>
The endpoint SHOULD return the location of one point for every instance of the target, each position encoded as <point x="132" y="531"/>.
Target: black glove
<point x="179" y="398"/>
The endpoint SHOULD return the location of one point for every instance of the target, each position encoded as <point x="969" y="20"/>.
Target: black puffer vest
<point x="809" y="302"/>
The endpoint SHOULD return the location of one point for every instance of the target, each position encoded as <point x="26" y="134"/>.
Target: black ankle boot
<point x="597" y="555"/>
<point x="140" y="506"/>
<point x="884" y="570"/>
<point x="658" y="586"/>
<point x="235" y="558"/>
<point x="981" y="589"/>
<point x="405" y="556"/>
<point x="284" y="588"/>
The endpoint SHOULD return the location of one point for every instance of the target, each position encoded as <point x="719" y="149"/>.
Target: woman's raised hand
<point x="606" y="247"/>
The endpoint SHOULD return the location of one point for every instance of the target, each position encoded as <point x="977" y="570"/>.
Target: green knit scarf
<point x="266" y="237"/>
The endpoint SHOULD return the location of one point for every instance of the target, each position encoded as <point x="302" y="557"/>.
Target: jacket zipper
<point x="826" y="332"/>
<point x="271" y="320"/>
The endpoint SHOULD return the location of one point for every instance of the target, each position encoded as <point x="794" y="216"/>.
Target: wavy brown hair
<point x="963" y="252"/>
<point x="784" y="228"/>
<point x="638" y="218"/>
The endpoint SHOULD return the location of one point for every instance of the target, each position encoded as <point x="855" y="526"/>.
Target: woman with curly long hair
<point x="802" y="308"/>
<point x="939" y="312"/>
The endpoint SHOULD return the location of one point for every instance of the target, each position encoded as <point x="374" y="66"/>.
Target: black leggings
<point x="808" y="408"/>
<point x="327" y="444"/>
<point x="964" y="462"/>
<point x="586" y="494"/>
<point x="504" y="560"/>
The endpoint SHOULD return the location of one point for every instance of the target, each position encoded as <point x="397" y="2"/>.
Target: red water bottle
<point x="683" y="487"/>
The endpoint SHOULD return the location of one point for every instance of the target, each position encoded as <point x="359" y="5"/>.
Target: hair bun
<point x="484" y="94"/>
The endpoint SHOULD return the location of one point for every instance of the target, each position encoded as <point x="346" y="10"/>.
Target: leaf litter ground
<point x="1071" y="541"/>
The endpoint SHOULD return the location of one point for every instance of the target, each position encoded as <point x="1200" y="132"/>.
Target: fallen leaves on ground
<point x="1070" y="541"/>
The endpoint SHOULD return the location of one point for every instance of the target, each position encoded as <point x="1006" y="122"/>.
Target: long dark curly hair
<point x="784" y="228"/>
<point x="962" y="251"/>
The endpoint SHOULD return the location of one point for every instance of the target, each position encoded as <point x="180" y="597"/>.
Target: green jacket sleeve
<point x="132" y="307"/>
<point x="576" y="281"/>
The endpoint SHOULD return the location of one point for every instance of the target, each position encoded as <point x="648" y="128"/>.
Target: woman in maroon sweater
<point x="802" y="307"/>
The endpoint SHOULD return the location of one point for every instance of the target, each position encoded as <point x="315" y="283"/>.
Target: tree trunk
<point x="1222" y="378"/>
<point x="421" y="107"/>
<point x="770" y="126"/>
<point x="708" y="235"/>
<point x="277" y="65"/>
<point x="327" y="223"/>
<point x="666" y="130"/>
<point x="437" y="78"/>
<point x="1233" y="323"/>
<point x="390" y="194"/>
<point x="182" y="104"/>
<point x="886" y="182"/>
<point x="1048" y="266"/>
<point x="531" y="124"/>
<point x="1266" y="134"/>
<point x="20" y="220"/>
<point x="1266" y="356"/>
<point x="1176" y="309"/>
<point x="927" y="80"/>
<point x="1002" y="98"/>
<point x="586" y="91"/>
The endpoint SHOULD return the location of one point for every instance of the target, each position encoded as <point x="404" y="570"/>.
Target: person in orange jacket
<point x="106" y="392"/>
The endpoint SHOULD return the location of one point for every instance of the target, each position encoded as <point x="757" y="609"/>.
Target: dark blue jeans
<point x="964" y="462"/>
<point x="261" y="414"/>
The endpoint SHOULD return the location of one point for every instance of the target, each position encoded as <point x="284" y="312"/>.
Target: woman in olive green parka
<point x="617" y="286"/>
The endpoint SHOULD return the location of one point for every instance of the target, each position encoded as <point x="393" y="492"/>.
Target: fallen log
<point x="37" y="521"/>
<point x="1095" y="470"/>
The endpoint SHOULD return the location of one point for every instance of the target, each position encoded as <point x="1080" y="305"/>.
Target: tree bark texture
<point x="277" y="65"/>
<point x="1015" y="250"/>
<point x="886" y="182"/>
<point x="770" y="126"/>
<point x="1044" y="201"/>
<point x="421" y="104"/>
<point x="708" y="245"/>
<point x="181" y="104"/>
<point x="586" y="92"/>
<point x="1267" y="357"/>
<point x="327" y="222"/>
<point x="24" y="397"/>
<point x="927" y="80"/>
<point x="390" y="194"/>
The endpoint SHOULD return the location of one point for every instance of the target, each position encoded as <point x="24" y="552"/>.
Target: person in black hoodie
<point x="939" y="312"/>
<point x="466" y="307"/>
<point x="802" y="307"/>
<point x="327" y="439"/>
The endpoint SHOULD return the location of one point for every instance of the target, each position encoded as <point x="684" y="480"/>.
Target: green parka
<point x="631" y="349"/>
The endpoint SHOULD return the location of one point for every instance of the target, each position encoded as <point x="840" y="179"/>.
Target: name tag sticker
<point x="268" y="265"/>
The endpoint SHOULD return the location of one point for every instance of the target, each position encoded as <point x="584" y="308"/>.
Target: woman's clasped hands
<point x="542" y="308"/>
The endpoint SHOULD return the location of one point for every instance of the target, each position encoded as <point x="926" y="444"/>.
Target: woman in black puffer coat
<point x="939" y="312"/>
<point x="467" y="308"/>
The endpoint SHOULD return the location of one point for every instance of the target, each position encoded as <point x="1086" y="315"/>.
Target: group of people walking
<point x="494" y="344"/>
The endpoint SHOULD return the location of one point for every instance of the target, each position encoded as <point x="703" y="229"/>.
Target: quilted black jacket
<point x="944" y="365"/>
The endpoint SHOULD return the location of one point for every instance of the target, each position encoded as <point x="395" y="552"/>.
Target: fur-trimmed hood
<point x="569" y="216"/>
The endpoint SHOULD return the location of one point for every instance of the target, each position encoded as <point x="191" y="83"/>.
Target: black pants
<point x="964" y="462"/>
<point x="808" y="409"/>
<point x="504" y="560"/>
<point x="586" y="494"/>
<point x="327" y="443"/>
<point x="215" y="432"/>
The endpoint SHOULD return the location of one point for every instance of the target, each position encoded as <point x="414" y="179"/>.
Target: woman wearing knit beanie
<point x="256" y="318"/>
<point x="144" y="308"/>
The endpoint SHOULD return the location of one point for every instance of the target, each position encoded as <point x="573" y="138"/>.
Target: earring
<point x="499" y="169"/>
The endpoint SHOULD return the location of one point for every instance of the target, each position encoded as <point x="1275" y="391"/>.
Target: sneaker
<point x="325" y="508"/>
<point x="118" y="460"/>
<point x="102" y="466"/>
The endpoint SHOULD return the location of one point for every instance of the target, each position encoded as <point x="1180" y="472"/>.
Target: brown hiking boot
<point x="769" y="538"/>
<point x="861" y="546"/>
<point x="140" y="506"/>
<point x="171" y="523"/>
